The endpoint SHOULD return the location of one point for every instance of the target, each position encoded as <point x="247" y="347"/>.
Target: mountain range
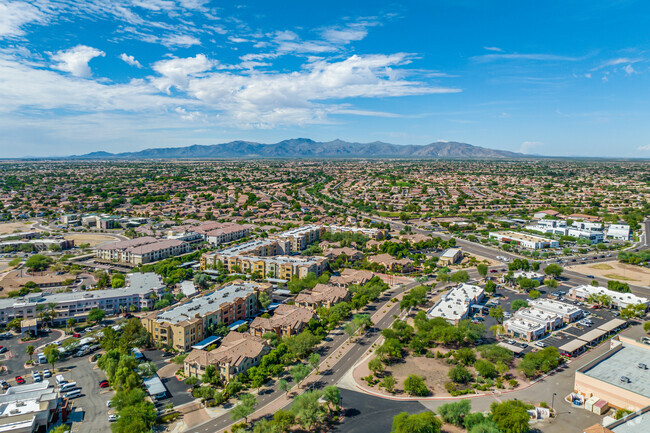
<point x="306" y="148"/>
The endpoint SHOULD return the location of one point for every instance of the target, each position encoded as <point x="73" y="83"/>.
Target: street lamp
<point x="553" y="401"/>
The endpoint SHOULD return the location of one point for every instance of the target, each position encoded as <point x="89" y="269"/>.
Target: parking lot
<point x="90" y="406"/>
<point x="504" y="298"/>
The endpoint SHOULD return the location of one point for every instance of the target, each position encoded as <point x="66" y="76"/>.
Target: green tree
<point x="314" y="360"/>
<point x="455" y="413"/>
<point x="96" y="315"/>
<point x="69" y="324"/>
<point x="301" y="344"/>
<point x="135" y="418"/>
<point x="265" y="300"/>
<point x="376" y="366"/>
<point x="308" y="409"/>
<point x="485" y="369"/>
<point x="482" y="269"/>
<point x="460" y="374"/>
<point x="299" y="372"/>
<point x="332" y="395"/>
<point x="497" y="313"/>
<point x="511" y="416"/>
<point x="37" y="263"/>
<point x="425" y="422"/>
<point x="414" y="385"/>
<point x="490" y="286"/>
<point x="534" y="294"/>
<point x="465" y="356"/>
<point x="52" y="354"/>
<point x="646" y="327"/>
<point x="29" y="350"/>
<point x="518" y="304"/>
<point x="201" y="280"/>
<point x="210" y="375"/>
<point x="283" y="385"/>
<point x="459" y="277"/>
<point x="388" y="383"/>
<point x="245" y="407"/>
<point x="554" y="270"/>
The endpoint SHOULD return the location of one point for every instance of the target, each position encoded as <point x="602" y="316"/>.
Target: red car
<point x="20" y="380"/>
<point x="76" y="335"/>
<point x="103" y="384"/>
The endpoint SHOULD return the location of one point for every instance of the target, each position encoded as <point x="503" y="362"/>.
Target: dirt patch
<point x="602" y="266"/>
<point x="90" y="238"/>
<point x="7" y="228"/>
<point x="616" y="271"/>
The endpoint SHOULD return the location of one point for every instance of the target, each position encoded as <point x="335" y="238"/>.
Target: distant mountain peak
<point x="308" y="148"/>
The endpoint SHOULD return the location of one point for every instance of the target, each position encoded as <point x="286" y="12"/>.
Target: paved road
<point x="337" y="371"/>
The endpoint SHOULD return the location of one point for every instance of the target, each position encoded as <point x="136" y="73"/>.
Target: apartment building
<point x="141" y="291"/>
<point x="372" y="233"/>
<point x="301" y="237"/>
<point x="322" y="295"/>
<point x="236" y="354"/>
<point x="287" y="320"/>
<point x="619" y="300"/>
<point x="142" y="250"/>
<point x="525" y="240"/>
<point x="569" y="313"/>
<point x="265" y="257"/>
<point x="181" y="326"/>
<point x="454" y="305"/>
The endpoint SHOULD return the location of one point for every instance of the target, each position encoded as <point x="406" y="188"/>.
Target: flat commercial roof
<point x="592" y="335"/>
<point x="573" y="345"/>
<point x="622" y="361"/>
<point x="612" y="324"/>
<point x="634" y="423"/>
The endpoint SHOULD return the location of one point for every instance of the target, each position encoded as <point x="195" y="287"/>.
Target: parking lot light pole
<point x="553" y="401"/>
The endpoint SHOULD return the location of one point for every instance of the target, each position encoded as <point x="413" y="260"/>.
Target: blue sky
<point x="566" y="78"/>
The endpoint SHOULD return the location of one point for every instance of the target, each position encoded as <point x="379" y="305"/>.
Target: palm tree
<point x="69" y="324"/>
<point x="29" y="350"/>
<point x="52" y="311"/>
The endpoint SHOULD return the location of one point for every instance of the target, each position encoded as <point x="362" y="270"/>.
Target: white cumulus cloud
<point x="75" y="60"/>
<point x="177" y="72"/>
<point x="130" y="60"/>
<point x="14" y="15"/>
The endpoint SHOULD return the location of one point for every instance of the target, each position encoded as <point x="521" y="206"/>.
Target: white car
<point x="47" y="373"/>
<point x="540" y="344"/>
<point x="112" y="418"/>
<point x="108" y="403"/>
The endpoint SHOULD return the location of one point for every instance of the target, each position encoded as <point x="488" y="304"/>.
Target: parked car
<point x="540" y="344"/>
<point x="103" y="384"/>
<point x="76" y="335"/>
<point x="47" y="373"/>
<point x="112" y="418"/>
<point x="3" y="349"/>
<point x="4" y="384"/>
<point x="20" y="380"/>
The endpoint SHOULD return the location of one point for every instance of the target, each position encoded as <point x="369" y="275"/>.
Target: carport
<point x="613" y="326"/>
<point x="573" y="347"/>
<point x="593" y="337"/>
<point x="514" y="349"/>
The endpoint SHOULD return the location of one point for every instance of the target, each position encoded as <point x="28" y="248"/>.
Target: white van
<point x="67" y="386"/>
<point x="42" y="359"/>
<point x="73" y="394"/>
<point x="60" y="380"/>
